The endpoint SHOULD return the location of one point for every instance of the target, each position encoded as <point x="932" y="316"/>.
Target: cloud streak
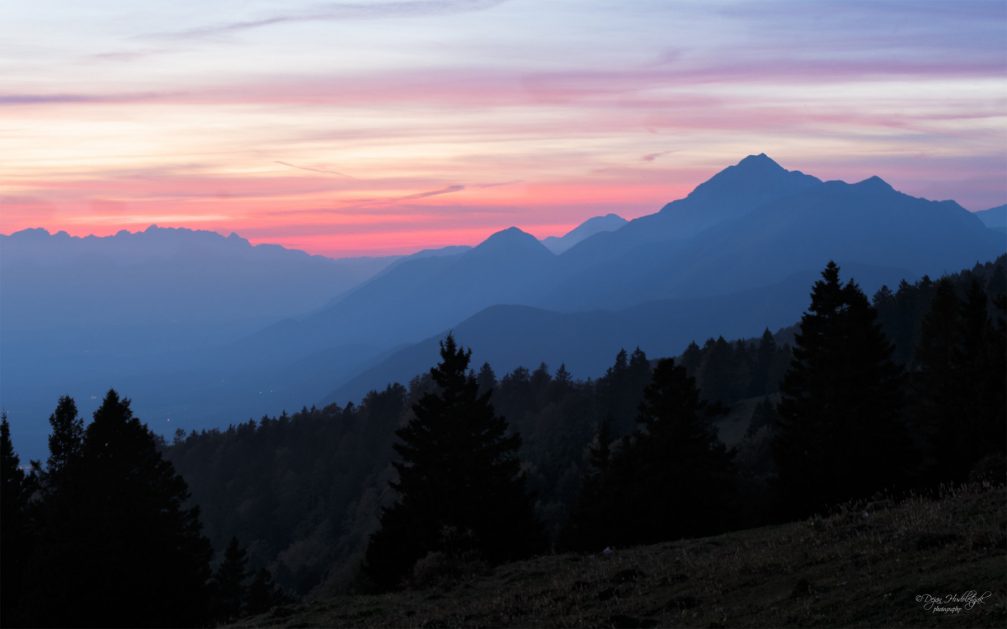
<point x="324" y="171"/>
<point x="430" y="111"/>
<point x="337" y="11"/>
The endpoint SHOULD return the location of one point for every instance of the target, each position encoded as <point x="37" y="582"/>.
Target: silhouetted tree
<point x="487" y="380"/>
<point x="959" y="383"/>
<point x="672" y="479"/>
<point x="66" y="441"/>
<point x="144" y="561"/>
<point x="54" y="572"/>
<point x="935" y="386"/>
<point x="229" y="583"/>
<point x="14" y="529"/>
<point x="692" y="358"/>
<point x="981" y="357"/>
<point x="621" y="389"/>
<point x="839" y="433"/>
<point x="460" y="487"/>
<point x="762" y="368"/>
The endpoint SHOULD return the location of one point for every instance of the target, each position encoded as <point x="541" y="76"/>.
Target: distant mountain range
<point x="78" y="315"/>
<point x="207" y="330"/>
<point x="590" y="227"/>
<point x="995" y="218"/>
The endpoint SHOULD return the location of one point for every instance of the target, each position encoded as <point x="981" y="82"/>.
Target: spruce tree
<point x="761" y="381"/>
<point x="144" y="560"/>
<point x="486" y="379"/>
<point x="229" y="583"/>
<point x="66" y="441"/>
<point x="672" y="479"/>
<point x="937" y="388"/>
<point x="839" y="430"/>
<point x="460" y="487"/>
<point x="14" y="529"/>
<point x="54" y="575"/>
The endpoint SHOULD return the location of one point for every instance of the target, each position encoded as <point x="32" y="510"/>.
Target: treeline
<point x="905" y="391"/>
<point x="103" y="534"/>
<point x="306" y="490"/>
<point x="841" y="431"/>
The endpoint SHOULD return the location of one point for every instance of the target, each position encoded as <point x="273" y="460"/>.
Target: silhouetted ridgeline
<point x="303" y="490"/>
<point x="106" y="532"/>
<point x="245" y="331"/>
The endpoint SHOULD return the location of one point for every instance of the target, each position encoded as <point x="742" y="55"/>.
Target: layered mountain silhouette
<point x="78" y="315"/>
<point x="729" y="194"/>
<point x="590" y="227"/>
<point x="508" y="337"/>
<point x="164" y="277"/>
<point x="419" y="296"/>
<point x="994" y="218"/>
<point x="734" y="256"/>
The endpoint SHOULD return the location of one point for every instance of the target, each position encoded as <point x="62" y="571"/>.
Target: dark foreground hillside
<point x="867" y="566"/>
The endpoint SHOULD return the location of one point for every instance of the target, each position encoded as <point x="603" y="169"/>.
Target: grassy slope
<point x="858" y="568"/>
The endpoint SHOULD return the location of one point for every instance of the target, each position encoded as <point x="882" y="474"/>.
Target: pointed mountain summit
<point x="738" y="189"/>
<point x="727" y="195"/>
<point x="509" y="242"/>
<point x="875" y="184"/>
<point x="419" y="296"/>
<point x="590" y="227"/>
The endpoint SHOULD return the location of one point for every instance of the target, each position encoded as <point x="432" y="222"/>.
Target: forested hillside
<point x="303" y="490"/>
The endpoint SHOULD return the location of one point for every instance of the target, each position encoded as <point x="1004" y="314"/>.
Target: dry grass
<point x="863" y="567"/>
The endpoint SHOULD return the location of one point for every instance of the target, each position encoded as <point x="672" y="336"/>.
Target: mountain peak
<point x="755" y="179"/>
<point x="510" y="239"/>
<point x="761" y="161"/>
<point x="874" y="183"/>
<point x="31" y="233"/>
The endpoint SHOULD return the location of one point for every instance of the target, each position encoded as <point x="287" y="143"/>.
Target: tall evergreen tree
<point x="14" y="529"/>
<point x="486" y="379"/>
<point x="52" y="594"/>
<point x="839" y="430"/>
<point x="229" y="591"/>
<point x="66" y="439"/>
<point x="460" y="487"/>
<point x="936" y="387"/>
<point x="142" y="558"/>
<point x="761" y="381"/>
<point x="672" y="479"/>
<point x="981" y="355"/>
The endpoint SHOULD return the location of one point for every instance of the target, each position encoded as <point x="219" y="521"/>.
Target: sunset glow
<point x="385" y="127"/>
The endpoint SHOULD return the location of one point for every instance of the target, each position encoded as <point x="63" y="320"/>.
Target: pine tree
<point x="144" y="560"/>
<point x="52" y="579"/>
<point x="229" y="583"/>
<point x="691" y="358"/>
<point x="936" y="387"/>
<point x="14" y="529"/>
<point x="487" y="380"/>
<point x="66" y="445"/>
<point x="839" y="430"/>
<point x="979" y="422"/>
<point x="460" y="488"/>
<point x="672" y="479"/>
<point x="762" y="370"/>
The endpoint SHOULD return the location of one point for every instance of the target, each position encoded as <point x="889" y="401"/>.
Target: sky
<point x="387" y="126"/>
